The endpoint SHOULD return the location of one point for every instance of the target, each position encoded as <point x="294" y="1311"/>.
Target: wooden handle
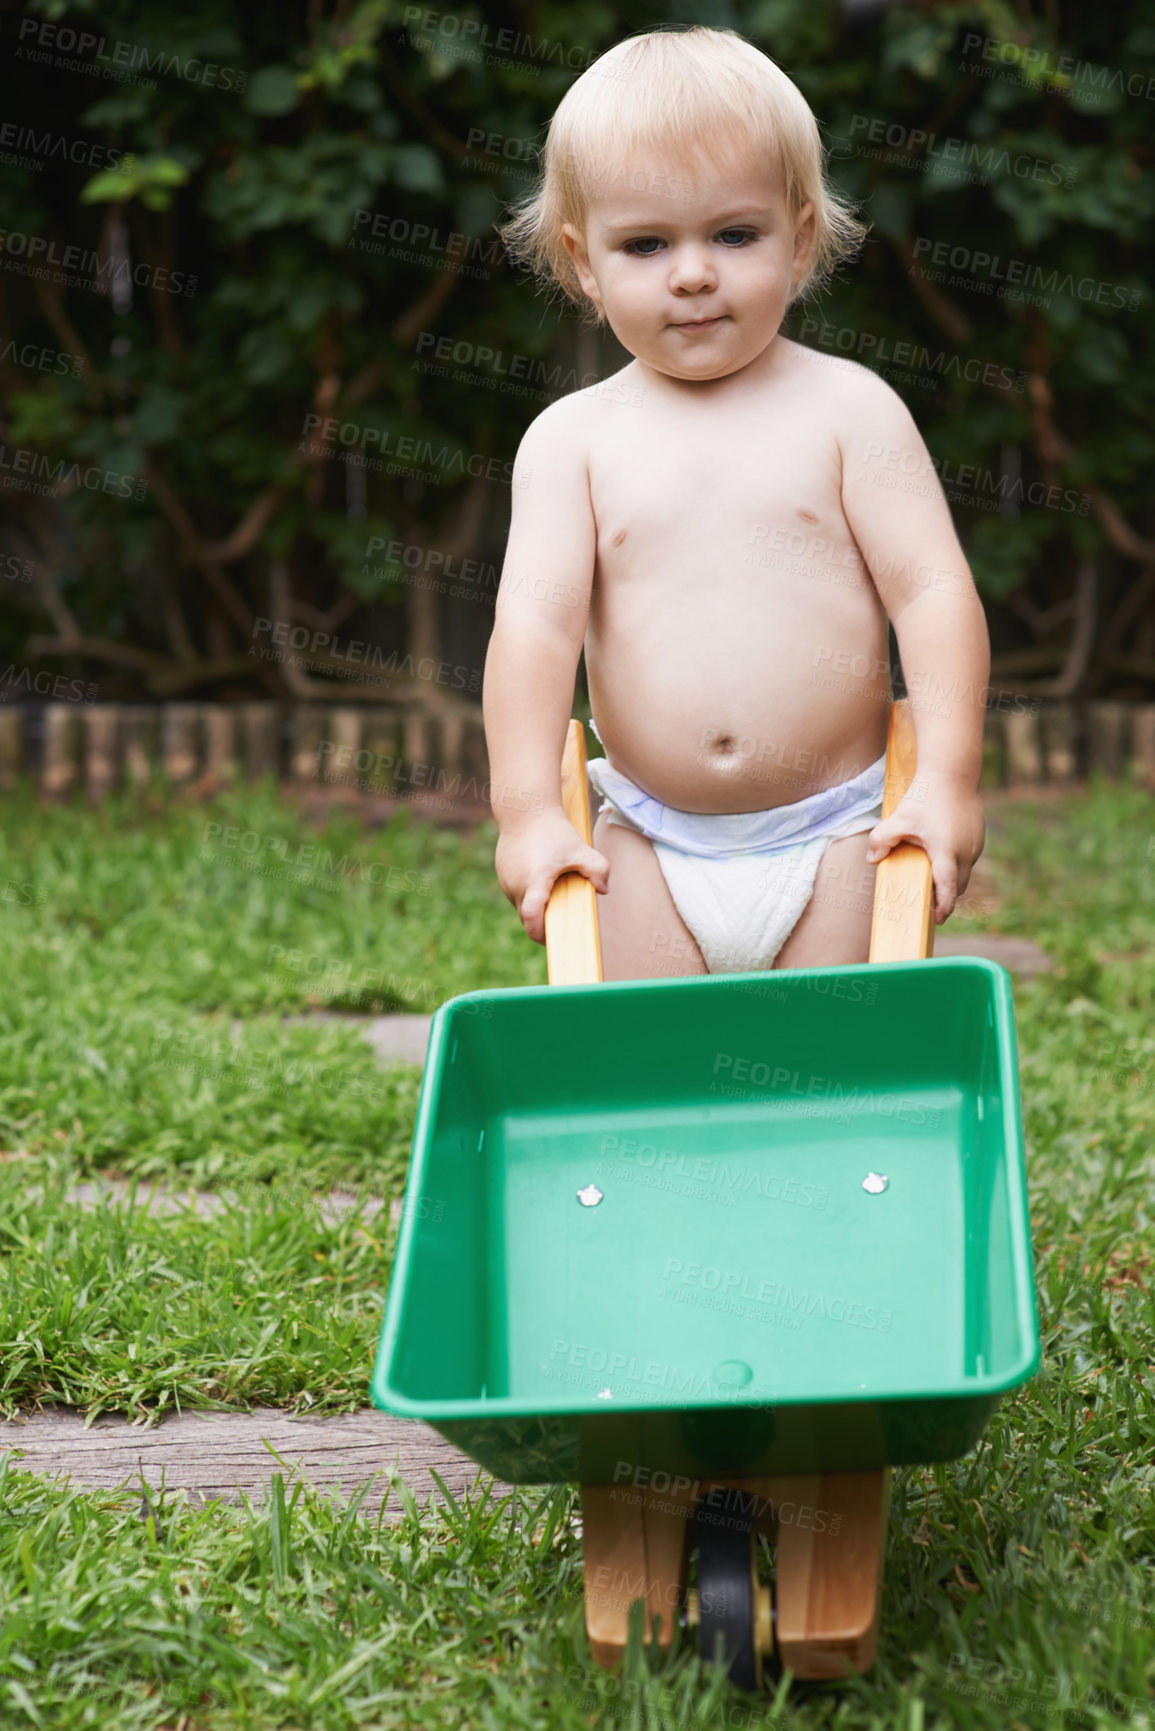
<point x="573" y="947"/>
<point x="903" y="927"/>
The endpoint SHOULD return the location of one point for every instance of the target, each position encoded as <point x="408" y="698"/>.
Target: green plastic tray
<point x="737" y="1300"/>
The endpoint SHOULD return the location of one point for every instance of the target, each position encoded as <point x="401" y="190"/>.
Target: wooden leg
<point x="665" y="1563"/>
<point x="831" y="1553"/>
<point x="634" y="1547"/>
<point x="831" y="1531"/>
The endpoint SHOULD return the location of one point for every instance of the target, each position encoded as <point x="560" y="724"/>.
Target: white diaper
<point x="741" y="880"/>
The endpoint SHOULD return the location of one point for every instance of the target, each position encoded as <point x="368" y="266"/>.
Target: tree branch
<point x="49" y="298"/>
<point x="1137" y="666"/>
<point x="51" y="599"/>
<point x="249" y="530"/>
<point x="330" y="620"/>
<point x="99" y="649"/>
<point x="1034" y="660"/>
<point x="1128" y="611"/>
<point x="196" y="553"/>
<point x="166" y="682"/>
<point x="401" y="693"/>
<point x="163" y="678"/>
<point x="1056" y="448"/>
<point x="1078" y="655"/>
<point x="1039" y="621"/>
<point x="940" y="307"/>
<point x="175" y="624"/>
<point x="415" y="316"/>
<point x="408" y="325"/>
<point x="403" y="90"/>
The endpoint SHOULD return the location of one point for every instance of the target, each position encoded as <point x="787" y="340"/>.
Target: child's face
<point x="661" y="250"/>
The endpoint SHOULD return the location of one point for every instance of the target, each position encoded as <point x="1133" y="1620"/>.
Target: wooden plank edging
<point x="402" y="749"/>
<point x="220" y="1454"/>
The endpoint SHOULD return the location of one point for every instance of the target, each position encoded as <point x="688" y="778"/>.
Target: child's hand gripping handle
<point x="572" y="946"/>
<point x="903" y="927"/>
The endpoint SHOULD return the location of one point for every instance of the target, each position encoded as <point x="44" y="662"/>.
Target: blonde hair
<point x="697" y="89"/>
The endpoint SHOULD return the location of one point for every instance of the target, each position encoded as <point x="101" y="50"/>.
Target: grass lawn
<point x="151" y="951"/>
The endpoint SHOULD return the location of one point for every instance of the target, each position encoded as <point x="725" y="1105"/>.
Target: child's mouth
<point x="700" y="324"/>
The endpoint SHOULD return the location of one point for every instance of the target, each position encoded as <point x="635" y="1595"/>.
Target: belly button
<point x="726" y="743"/>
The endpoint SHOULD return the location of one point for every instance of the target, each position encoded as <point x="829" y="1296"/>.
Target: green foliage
<point x="256" y="153"/>
<point x="151" y="179"/>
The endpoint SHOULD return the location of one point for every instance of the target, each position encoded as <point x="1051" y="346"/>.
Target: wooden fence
<point x="1064" y="742"/>
<point x="72" y="747"/>
<point x="69" y="747"/>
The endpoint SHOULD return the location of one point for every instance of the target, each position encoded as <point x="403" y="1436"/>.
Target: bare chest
<point x="685" y="486"/>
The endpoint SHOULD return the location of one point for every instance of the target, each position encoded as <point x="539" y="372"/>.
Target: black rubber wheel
<point x="727" y="1579"/>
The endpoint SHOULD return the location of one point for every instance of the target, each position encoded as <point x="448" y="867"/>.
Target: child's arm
<point x="895" y="506"/>
<point x="542" y="607"/>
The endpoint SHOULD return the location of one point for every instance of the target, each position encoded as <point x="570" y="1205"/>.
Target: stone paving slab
<point x="1020" y="955"/>
<point x="220" y="1454"/>
<point x="334" y="1206"/>
<point x="395" y="1039"/>
<point x="399" y="1039"/>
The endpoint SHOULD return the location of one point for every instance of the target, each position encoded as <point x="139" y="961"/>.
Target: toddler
<point x="726" y="526"/>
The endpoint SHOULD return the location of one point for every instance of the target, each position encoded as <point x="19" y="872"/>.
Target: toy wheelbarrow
<point x="723" y="1250"/>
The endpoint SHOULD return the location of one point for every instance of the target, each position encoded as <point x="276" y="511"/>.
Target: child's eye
<point x="635" y="246"/>
<point x="743" y="236"/>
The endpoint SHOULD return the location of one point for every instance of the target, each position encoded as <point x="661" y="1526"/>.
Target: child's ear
<point x="803" y="242"/>
<point x="575" y="245"/>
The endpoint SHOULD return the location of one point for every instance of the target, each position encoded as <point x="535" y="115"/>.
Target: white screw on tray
<point x="590" y="1196"/>
<point x="875" y="1182"/>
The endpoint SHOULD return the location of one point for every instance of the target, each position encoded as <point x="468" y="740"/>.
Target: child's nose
<point x="691" y="267"/>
